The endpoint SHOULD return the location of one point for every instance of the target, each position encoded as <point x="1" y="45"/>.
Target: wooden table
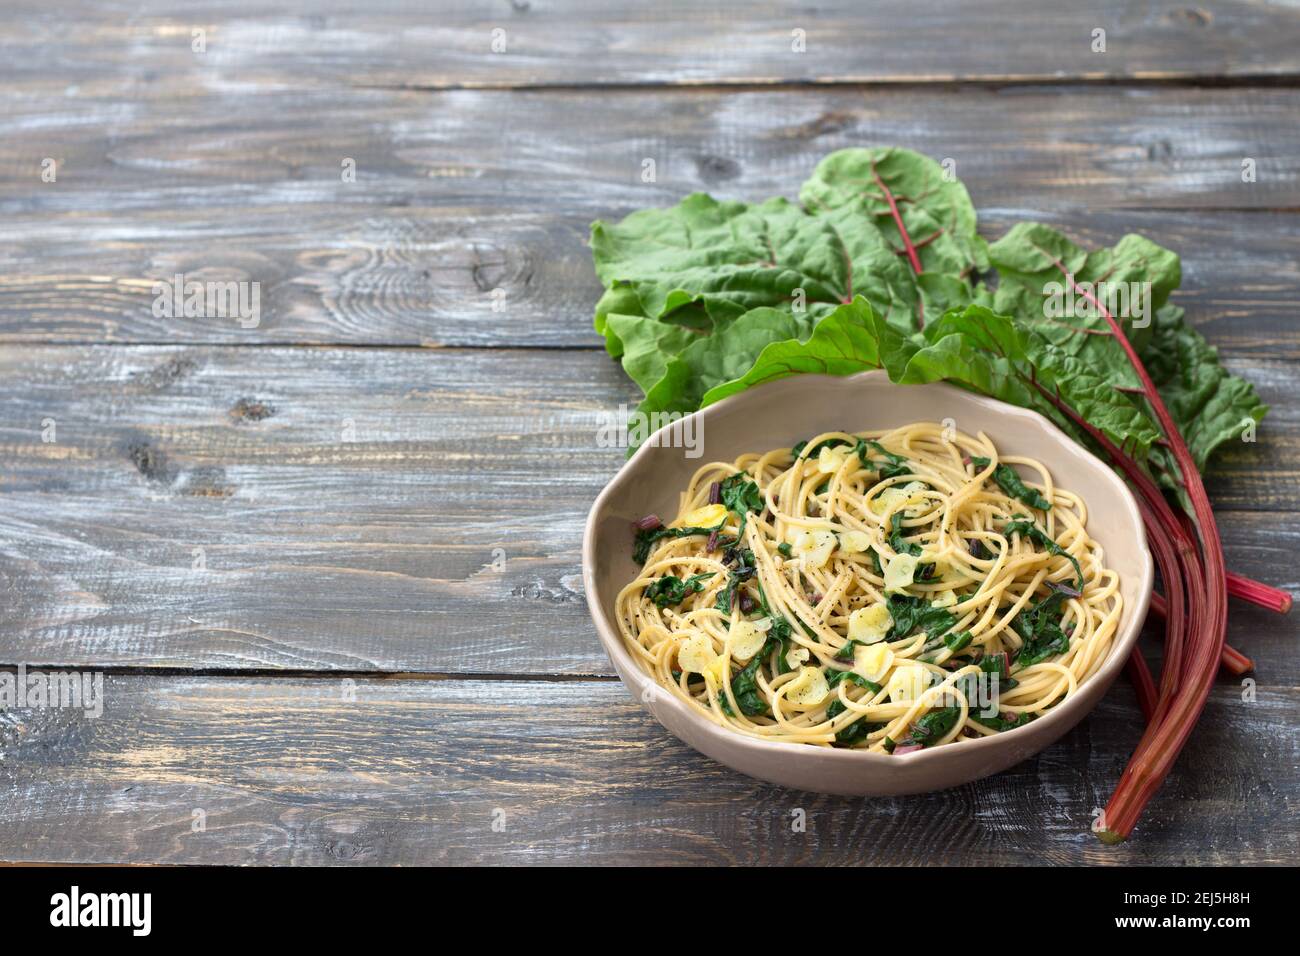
<point x="329" y="565"/>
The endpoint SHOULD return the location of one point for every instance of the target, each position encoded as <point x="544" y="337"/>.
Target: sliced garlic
<point x="695" y="654"/>
<point x="895" y="498"/>
<point x="870" y="624"/>
<point x="944" y="599"/>
<point x="829" y="460"/>
<point x="854" y="542"/>
<point x="745" y="640"/>
<point x="707" y="517"/>
<point x="796" y="656"/>
<point x="809" y="688"/>
<point x="900" y="572"/>
<point x="907" y="683"/>
<point x="814" y="547"/>
<point x="873" y="661"/>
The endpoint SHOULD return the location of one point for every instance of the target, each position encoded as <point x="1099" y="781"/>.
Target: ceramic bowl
<point x="789" y="410"/>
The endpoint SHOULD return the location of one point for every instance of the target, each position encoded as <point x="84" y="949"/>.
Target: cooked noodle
<point x="886" y="592"/>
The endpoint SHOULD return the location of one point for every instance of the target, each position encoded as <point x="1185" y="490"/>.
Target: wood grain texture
<point x="461" y="194"/>
<point x="348" y="505"/>
<point x="324" y="527"/>
<point x="290" y="772"/>
<point x="117" y="46"/>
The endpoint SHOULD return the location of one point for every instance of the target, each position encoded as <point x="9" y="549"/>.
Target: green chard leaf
<point x="709" y="297"/>
<point x="741" y="495"/>
<point x="745" y="686"/>
<point x="897" y="541"/>
<point x="727" y="354"/>
<point x="1000" y="356"/>
<point x="1210" y="405"/>
<point x="836" y="677"/>
<point x="718" y="260"/>
<point x="645" y="540"/>
<point x="618" y="299"/>
<point x="1025" y="527"/>
<point x="916" y="613"/>
<point x="931" y="727"/>
<point x="855" y="732"/>
<point x="745" y="568"/>
<point x="1011" y="484"/>
<point x="1000" y="723"/>
<point x="647" y="345"/>
<point x="910" y="197"/>
<point x="893" y="466"/>
<point x="802" y="450"/>
<point x="673" y="590"/>
<point x="957" y="640"/>
<point x="1039" y="626"/>
<point x="850" y="339"/>
<point x="1042" y="275"/>
<point x="859" y="729"/>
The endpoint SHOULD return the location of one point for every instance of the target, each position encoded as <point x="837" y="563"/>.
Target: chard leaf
<point x="744" y="570"/>
<point x="647" y="345"/>
<point x="850" y="339"/>
<point x="913" y="613"/>
<point x="1210" y="405"/>
<point x="836" y="677"/>
<point x="893" y="466"/>
<point x="1039" y="625"/>
<point x="741" y="496"/>
<point x="745" y="686"/>
<point x="723" y="356"/>
<point x="1092" y="391"/>
<point x="1011" y="484"/>
<point x="855" y="732"/>
<point x="906" y="194"/>
<point x="1022" y="525"/>
<point x="645" y="540"/>
<point x="930" y="728"/>
<point x="958" y="640"/>
<point x="801" y="449"/>
<point x="897" y="541"/>
<point x="956" y="350"/>
<point x="618" y="299"/>
<point x="1040" y="269"/>
<point x="1000" y="723"/>
<point x="702" y="299"/>
<point x="717" y="260"/>
<point x="997" y="355"/>
<point x="671" y="589"/>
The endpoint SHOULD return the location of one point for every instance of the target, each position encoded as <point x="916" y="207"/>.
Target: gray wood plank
<point x="291" y="772"/>
<point x="148" y="45"/>
<point x="460" y="194"/>
<point x="339" y="508"/>
<point x="347" y="506"/>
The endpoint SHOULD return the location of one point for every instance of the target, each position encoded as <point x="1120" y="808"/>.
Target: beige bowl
<point x="782" y="413"/>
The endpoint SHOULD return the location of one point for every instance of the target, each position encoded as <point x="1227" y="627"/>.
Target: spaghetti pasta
<point x="886" y="590"/>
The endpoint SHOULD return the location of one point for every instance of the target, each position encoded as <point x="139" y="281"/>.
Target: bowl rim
<point x="1063" y="713"/>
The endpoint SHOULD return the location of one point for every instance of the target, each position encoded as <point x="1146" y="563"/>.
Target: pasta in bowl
<point x="889" y="590"/>
<point x="930" y="677"/>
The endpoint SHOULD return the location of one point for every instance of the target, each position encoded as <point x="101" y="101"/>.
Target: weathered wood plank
<point x="292" y="772"/>
<point x="346" y="508"/>
<point x="407" y="43"/>
<point x="461" y="194"/>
